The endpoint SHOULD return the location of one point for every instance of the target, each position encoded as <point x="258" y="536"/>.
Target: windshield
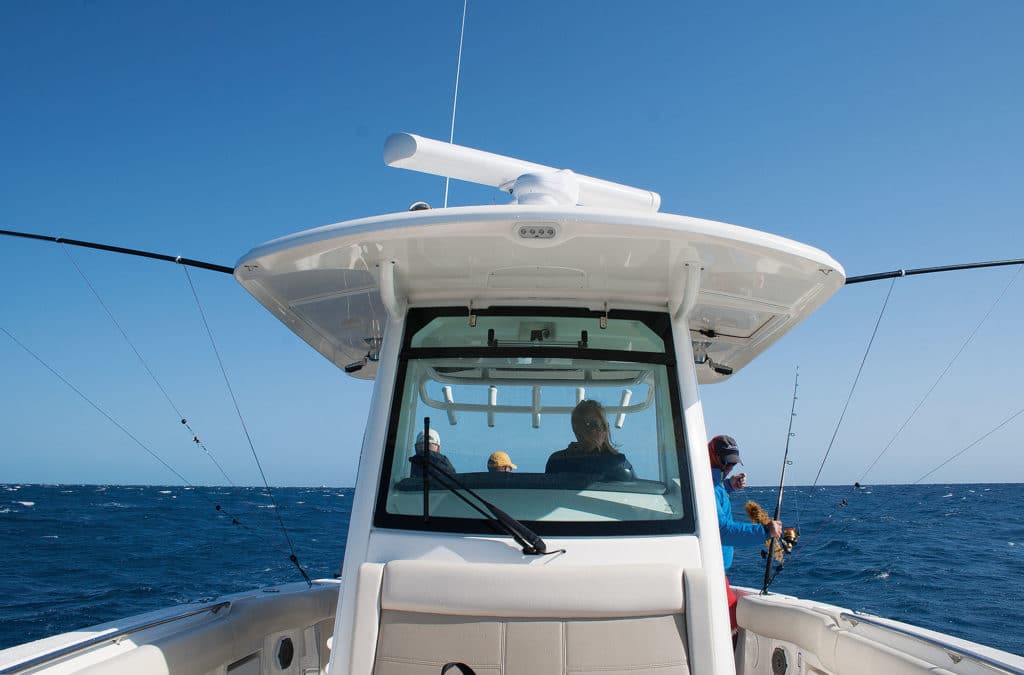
<point x="561" y="423"/>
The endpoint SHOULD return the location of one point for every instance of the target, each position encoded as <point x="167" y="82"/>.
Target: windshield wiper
<point x="529" y="540"/>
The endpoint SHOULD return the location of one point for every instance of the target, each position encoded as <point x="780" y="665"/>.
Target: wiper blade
<point x="529" y="540"/>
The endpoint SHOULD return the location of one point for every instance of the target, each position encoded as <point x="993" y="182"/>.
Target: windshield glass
<point x="561" y="423"/>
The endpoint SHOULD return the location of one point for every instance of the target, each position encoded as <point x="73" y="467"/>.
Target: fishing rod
<point x="120" y="249"/>
<point x="768" y="577"/>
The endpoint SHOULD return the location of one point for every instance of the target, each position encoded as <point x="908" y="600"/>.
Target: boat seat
<point x="825" y="641"/>
<point x="518" y="619"/>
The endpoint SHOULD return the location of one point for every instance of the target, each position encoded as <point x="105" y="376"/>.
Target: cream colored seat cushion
<point x="525" y="619"/>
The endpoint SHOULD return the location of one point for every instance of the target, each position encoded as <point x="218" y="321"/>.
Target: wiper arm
<point x="529" y="540"/>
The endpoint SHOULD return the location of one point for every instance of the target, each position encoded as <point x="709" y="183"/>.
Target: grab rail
<point x="956" y="654"/>
<point x="107" y="637"/>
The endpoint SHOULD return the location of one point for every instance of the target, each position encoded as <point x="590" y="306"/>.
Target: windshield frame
<point x="658" y="322"/>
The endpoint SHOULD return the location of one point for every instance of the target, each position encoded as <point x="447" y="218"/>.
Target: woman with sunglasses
<point x="592" y="452"/>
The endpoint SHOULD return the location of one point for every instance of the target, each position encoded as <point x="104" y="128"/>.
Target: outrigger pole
<point x="127" y="251"/>
<point x="782" y="482"/>
<point x="931" y="270"/>
<point x="397" y="161"/>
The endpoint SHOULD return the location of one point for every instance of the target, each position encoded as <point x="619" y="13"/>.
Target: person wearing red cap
<point x="724" y="454"/>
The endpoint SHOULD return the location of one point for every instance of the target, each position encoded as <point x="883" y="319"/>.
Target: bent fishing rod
<point x="230" y="270"/>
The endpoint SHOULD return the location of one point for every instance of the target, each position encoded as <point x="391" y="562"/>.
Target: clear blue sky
<point x="889" y="136"/>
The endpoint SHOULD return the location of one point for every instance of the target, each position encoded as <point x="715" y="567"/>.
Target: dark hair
<point x="584" y="415"/>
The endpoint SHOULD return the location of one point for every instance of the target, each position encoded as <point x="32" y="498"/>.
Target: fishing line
<point x="455" y="98"/>
<point x="979" y="440"/>
<point x="245" y="429"/>
<point x="943" y="373"/>
<point x="129" y="434"/>
<point x="856" y="379"/>
<point x="186" y="263"/>
<point x="145" y="365"/>
<point x="94" y="405"/>
<point x="949" y="365"/>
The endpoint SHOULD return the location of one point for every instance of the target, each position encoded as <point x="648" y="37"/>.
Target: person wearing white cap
<point x="434" y="444"/>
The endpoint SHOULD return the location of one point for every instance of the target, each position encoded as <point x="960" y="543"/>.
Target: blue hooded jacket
<point x="733" y="533"/>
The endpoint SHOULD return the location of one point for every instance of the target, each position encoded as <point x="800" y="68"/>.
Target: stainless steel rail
<point x="116" y="636"/>
<point x="956" y="654"/>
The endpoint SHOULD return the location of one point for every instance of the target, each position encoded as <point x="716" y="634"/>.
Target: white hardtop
<point x="336" y="285"/>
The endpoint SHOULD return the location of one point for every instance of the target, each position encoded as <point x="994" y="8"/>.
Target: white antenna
<point x="426" y="155"/>
<point x="455" y="98"/>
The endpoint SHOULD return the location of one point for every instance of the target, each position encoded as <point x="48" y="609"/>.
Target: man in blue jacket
<point x="724" y="454"/>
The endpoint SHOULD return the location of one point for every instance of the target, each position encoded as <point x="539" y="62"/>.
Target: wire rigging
<point x="245" y="429"/>
<point x="145" y="365"/>
<point x="455" y="97"/>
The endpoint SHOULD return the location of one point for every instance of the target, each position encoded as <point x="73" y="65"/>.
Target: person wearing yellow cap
<point x="501" y="462"/>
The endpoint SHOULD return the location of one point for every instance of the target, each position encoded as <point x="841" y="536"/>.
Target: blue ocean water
<point x="947" y="557"/>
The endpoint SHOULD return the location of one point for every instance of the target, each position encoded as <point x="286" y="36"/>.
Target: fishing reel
<point x="783" y="546"/>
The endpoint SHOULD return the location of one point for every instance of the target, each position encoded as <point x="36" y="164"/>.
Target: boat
<point x="516" y="328"/>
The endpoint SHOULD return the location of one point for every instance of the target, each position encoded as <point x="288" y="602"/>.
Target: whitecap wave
<point x="26" y="503"/>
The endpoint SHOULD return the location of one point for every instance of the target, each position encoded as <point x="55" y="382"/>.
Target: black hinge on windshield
<point x="537" y="337"/>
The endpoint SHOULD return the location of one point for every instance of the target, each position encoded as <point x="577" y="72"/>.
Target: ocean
<point x="946" y="557"/>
